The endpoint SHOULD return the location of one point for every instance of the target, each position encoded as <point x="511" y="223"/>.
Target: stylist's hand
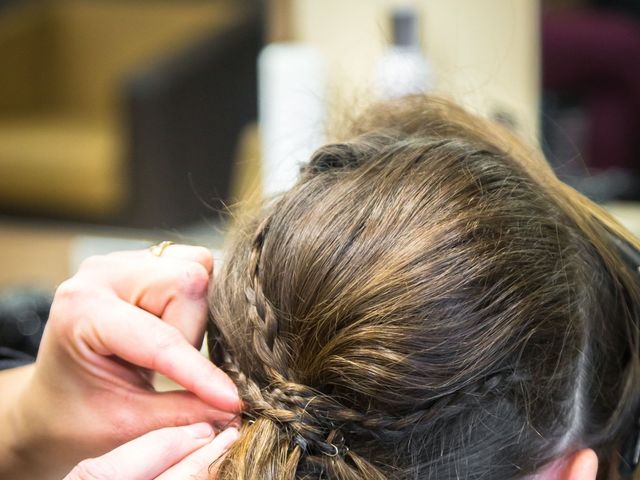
<point x="169" y="454"/>
<point x="119" y="318"/>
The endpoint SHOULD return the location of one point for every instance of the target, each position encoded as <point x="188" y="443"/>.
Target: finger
<point x="176" y="289"/>
<point x="177" y="294"/>
<point x="173" y="288"/>
<point x="197" y="465"/>
<point x="181" y="408"/>
<point x="145" y="457"/>
<point x="191" y="253"/>
<point x="188" y="316"/>
<point x="130" y="264"/>
<point x="141" y="339"/>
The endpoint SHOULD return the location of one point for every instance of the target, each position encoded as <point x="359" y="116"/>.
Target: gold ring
<point x="159" y="249"/>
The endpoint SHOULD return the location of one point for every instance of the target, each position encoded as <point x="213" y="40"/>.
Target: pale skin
<point x="172" y="453"/>
<point x="582" y="465"/>
<point x="121" y="317"/>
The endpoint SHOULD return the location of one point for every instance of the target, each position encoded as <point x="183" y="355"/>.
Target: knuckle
<point x="68" y="300"/>
<point x="92" y="262"/>
<point x="74" y="304"/>
<point x="195" y="280"/>
<point x="203" y="255"/>
<point x="69" y="289"/>
<point x="93" y="469"/>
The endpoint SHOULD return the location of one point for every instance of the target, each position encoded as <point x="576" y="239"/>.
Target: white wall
<point x="485" y="52"/>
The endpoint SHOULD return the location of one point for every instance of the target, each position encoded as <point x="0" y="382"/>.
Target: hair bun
<point x="332" y="157"/>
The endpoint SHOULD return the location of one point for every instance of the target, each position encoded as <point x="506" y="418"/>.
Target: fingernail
<point x="200" y="430"/>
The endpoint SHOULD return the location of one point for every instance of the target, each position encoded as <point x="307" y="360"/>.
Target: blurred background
<point x="126" y="122"/>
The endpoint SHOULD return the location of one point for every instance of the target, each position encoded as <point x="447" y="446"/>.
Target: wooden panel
<point x="99" y="43"/>
<point x="31" y="255"/>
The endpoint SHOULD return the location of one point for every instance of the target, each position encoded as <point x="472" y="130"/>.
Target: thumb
<point x="145" y="457"/>
<point x="202" y="464"/>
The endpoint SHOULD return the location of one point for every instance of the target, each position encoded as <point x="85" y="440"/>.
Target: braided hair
<point x="428" y="301"/>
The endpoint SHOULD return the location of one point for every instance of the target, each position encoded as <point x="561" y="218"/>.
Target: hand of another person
<point x="121" y="317"/>
<point x="167" y="454"/>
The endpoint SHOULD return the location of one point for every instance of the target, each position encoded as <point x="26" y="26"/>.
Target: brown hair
<point x="428" y="301"/>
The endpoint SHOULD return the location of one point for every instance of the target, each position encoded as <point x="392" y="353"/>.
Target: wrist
<point x="34" y="442"/>
<point x="14" y="427"/>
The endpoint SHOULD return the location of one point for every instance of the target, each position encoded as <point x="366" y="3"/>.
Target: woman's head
<point x="428" y="301"/>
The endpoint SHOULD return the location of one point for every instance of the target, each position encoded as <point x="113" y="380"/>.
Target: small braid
<point x="317" y="422"/>
<point x="290" y="403"/>
<point x="260" y="313"/>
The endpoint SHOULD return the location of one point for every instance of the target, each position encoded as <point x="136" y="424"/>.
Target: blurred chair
<point x="591" y="80"/>
<point x="124" y="112"/>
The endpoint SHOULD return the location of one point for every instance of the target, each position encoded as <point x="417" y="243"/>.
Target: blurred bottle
<point x="291" y="106"/>
<point x="403" y="68"/>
